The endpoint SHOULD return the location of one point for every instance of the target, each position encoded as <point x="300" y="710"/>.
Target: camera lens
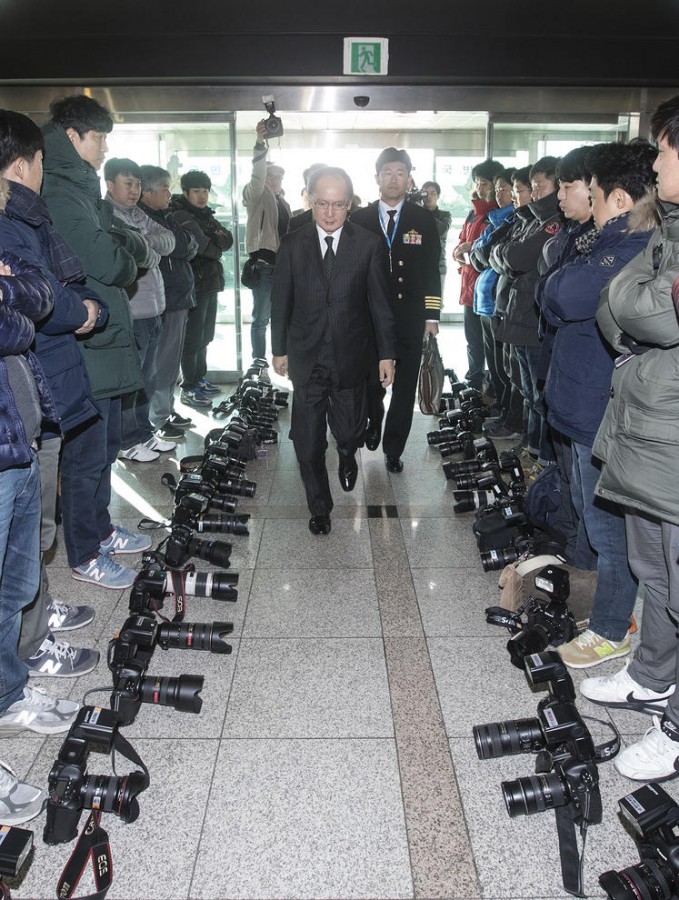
<point x="109" y="793"/>
<point x="494" y="560"/>
<point x="195" y="636"/>
<point x="218" y="586"/>
<point x="240" y="488"/>
<point x="497" y="739"/>
<point x="224" y="504"/>
<point x="218" y="553"/>
<point x="468" y="501"/>
<point x="440" y="437"/>
<point x="648" y="880"/>
<point x="182" y="693"/>
<point x="530" y="640"/>
<point x="534" y="793"/>
<point x="223" y="524"/>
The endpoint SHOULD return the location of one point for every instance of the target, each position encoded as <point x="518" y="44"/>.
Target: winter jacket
<point x="26" y="298"/>
<point x="519" y="257"/>
<point x="485" y="284"/>
<point x="71" y="190"/>
<point x="474" y="225"/>
<point x="213" y="240"/>
<point x="639" y="434"/>
<point x="512" y="228"/>
<point x="579" y="381"/>
<point x="261" y="231"/>
<point x="176" y="268"/>
<point x="147" y="291"/>
<point x="25" y="230"/>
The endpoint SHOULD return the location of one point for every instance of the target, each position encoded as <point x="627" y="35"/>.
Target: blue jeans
<point x="87" y="456"/>
<point x="527" y="358"/>
<point x="136" y="425"/>
<point x="261" y="311"/>
<point x="19" y="570"/>
<point x="476" y="357"/>
<point x="605" y="526"/>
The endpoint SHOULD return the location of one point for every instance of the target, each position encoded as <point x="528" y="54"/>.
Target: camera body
<point x="274" y="125"/>
<point x="182" y="545"/>
<point x="654" y="818"/>
<point x="547" y="621"/>
<point x="71" y="789"/>
<point x="153" y="584"/>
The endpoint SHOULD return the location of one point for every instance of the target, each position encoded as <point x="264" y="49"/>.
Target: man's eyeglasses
<point x="325" y="205"/>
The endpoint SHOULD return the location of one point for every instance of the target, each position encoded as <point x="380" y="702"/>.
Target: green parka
<point x="72" y="192"/>
<point x="639" y="436"/>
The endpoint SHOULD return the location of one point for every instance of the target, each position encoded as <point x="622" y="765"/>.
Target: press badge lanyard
<point x="384" y="222"/>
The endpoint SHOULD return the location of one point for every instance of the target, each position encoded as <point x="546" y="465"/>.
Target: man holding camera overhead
<point x="268" y="217"/>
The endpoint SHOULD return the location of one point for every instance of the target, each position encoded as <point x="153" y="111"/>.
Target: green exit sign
<point x="366" y="56"/>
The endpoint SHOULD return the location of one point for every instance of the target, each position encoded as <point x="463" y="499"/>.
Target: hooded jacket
<point x="72" y="193"/>
<point x="25" y="230"/>
<point x="474" y="225"/>
<point x="639" y="434"/>
<point x="579" y="381"/>
<point x="213" y="240"/>
<point x="485" y="284"/>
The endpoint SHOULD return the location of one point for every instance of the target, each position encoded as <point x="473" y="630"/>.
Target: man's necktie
<point x="329" y="258"/>
<point x="390" y="224"/>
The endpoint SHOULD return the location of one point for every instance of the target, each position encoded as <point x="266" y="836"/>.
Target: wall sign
<point x="366" y="56"/>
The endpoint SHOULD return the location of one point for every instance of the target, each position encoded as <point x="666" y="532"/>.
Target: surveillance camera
<point x="361" y="101"/>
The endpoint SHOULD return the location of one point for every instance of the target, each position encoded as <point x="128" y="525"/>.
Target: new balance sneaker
<point x="57" y="659"/>
<point x="207" y="387"/>
<point x="589" y="649"/>
<point x="623" y="692"/>
<point x="67" y="618"/>
<point x="105" y="572"/>
<point x="180" y="421"/>
<point x="170" y="432"/>
<point x="139" y="453"/>
<point x="195" y="398"/>
<point x="38" y="712"/>
<point x="655" y="757"/>
<point x="19" y="802"/>
<point x="122" y="541"/>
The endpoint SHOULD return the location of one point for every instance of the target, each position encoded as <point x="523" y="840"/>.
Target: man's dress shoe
<point x="393" y="463"/>
<point x="319" y="525"/>
<point x="348" y="471"/>
<point x="372" y="436"/>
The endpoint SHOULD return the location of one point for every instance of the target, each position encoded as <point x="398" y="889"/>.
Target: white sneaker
<point x="654" y="758"/>
<point x="158" y="445"/>
<point x="36" y="711"/>
<point x="19" y="802"/>
<point x="623" y="692"/>
<point x="139" y="453"/>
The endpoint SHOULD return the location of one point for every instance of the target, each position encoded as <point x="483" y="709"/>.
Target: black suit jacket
<point x="415" y="276"/>
<point x="306" y="306"/>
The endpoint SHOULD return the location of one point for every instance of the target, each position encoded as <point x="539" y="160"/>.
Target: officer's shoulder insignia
<point x="607" y="261"/>
<point x="412" y="237"/>
<point x="552" y="228"/>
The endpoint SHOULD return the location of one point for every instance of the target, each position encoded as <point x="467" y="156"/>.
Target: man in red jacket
<point x="483" y="200"/>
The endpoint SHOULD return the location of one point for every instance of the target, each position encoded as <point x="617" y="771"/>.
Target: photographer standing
<point x="268" y="217"/>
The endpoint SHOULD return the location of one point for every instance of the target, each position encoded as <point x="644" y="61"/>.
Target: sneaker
<point x="195" y="398"/>
<point x="623" y="692"/>
<point x="139" y="453"/>
<point x="122" y="541"/>
<point x="180" y="421"/>
<point x="58" y="659"/>
<point x="589" y="649"/>
<point x="105" y="572"/>
<point x="654" y="758"/>
<point x="207" y="387"/>
<point x="168" y="430"/>
<point x="68" y="618"/>
<point x="19" y="802"/>
<point x="158" y="445"/>
<point x="38" y="712"/>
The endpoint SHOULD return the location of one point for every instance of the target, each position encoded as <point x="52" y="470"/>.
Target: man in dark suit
<point x="330" y="302"/>
<point x="412" y="240"/>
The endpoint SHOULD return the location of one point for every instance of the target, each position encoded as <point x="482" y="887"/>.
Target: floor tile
<point x="452" y="603"/>
<point x="304" y="819"/>
<point x="346" y="545"/>
<point x="439" y="542"/>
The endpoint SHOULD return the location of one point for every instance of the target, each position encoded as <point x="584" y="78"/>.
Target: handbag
<point x="250" y="275"/>
<point x="430" y="385"/>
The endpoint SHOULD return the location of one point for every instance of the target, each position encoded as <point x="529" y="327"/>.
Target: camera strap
<point x="499" y="615"/>
<point x="571" y="860"/>
<point x="609" y="749"/>
<point x="93" y="844"/>
<point x="4" y="890"/>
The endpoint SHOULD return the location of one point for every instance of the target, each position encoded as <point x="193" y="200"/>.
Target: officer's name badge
<point x="412" y="237"/>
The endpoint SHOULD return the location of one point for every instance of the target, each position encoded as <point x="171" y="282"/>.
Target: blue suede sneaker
<point x="105" y="572"/>
<point x="195" y="398"/>
<point x="207" y="387"/>
<point x="123" y="541"/>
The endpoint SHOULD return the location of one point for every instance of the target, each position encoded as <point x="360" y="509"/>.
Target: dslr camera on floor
<point x="156" y="581"/>
<point x="653" y="817"/>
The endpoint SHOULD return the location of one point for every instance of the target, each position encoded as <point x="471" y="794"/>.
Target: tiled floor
<point x="333" y="755"/>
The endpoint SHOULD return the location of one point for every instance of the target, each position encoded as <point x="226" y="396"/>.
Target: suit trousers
<point x="320" y="402"/>
<point x="400" y="414"/>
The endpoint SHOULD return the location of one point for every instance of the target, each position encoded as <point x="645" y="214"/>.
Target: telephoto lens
<point x="182" y="693"/>
<point x="442" y="436"/>
<point x="218" y="553"/>
<point x="494" y="560"/>
<point x="217" y="585"/>
<point x="223" y="524"/>
<point x="240" y="488"/>
<point x="109" y="793"/>
<point x="534" y="793"/>
<point x="496" y="739"/>
<point x="473" y="481"/>
<point x="467" y="467"/>
<point x="469" y="501"/>
<point x="195" y="636"/>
